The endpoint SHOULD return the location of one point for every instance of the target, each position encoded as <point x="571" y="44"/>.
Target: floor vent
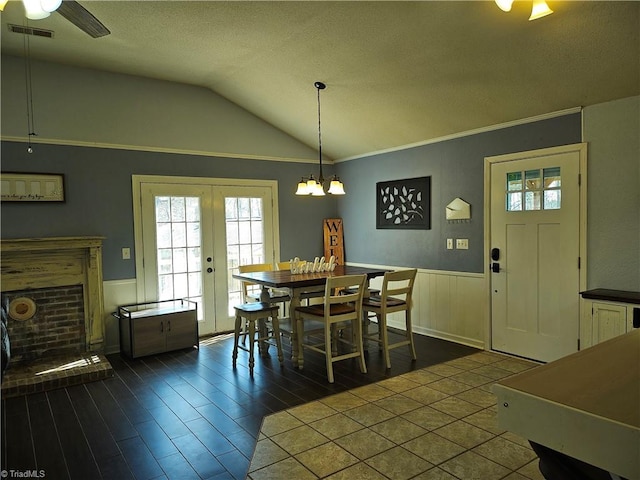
<point x="37" y="32"/>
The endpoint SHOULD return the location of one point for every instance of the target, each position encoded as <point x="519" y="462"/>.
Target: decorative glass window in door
<point x="178" y="248"/>
<point x="245" y="240"/>
<point x="534" y="190"/>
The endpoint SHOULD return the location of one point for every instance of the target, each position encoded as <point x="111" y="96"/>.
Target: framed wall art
<point x="31" y="187"/>
<point x="404" y="204"/>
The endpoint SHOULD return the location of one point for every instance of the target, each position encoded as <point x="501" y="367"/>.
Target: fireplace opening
<point x="56" y="327"/>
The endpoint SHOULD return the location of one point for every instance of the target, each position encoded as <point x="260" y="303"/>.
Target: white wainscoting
<point x="116" y="292"/>
<point x="447" y="305"/>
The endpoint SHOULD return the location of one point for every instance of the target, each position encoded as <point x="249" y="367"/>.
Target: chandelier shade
<point x="311" y="186"/>
<point x="539" y="8"/>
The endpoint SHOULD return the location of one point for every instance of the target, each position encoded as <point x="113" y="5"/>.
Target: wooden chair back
<point x="397" y="290"/>
<point x="249" y="291"/>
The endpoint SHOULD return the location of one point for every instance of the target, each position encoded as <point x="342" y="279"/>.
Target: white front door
<point x="535" y="250"/>
<point x="191" y="235"/>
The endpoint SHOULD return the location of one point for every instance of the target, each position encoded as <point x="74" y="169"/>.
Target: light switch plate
<point x="449" y="243"/>
<point x="462" y="243"/>
<point x="126" y="253"/>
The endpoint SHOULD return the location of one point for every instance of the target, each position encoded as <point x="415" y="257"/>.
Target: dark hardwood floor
<point x="185" y="414"/>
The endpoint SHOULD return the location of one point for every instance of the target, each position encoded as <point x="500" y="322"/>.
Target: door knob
<point x="209" y="270"/>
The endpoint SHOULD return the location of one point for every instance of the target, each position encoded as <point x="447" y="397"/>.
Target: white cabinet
<point x="607" y="314"/>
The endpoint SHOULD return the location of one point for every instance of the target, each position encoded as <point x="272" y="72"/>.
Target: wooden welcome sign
<point x="333" y="239"/>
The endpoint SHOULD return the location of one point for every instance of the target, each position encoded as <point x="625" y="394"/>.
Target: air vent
<point x="37" y="32"/>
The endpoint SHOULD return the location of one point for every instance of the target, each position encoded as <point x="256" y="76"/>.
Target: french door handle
<point x="495" y="267"/>
<point x="209" y="270"/>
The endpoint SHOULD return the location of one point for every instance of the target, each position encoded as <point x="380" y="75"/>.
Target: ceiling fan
<point x="82" y="18"/>
<point x="69" y="9"/>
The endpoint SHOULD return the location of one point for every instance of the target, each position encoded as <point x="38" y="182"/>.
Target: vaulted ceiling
<point x="397" y="72"/>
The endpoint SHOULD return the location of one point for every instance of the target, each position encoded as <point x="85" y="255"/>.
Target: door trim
<point x="581" y="148"/>
<point x="138" y="180"/>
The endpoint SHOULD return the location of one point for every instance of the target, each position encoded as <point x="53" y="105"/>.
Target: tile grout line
<point x="256" y="472"/>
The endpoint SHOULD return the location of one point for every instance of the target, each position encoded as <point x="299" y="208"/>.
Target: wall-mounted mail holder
<point x="458" y="210"/>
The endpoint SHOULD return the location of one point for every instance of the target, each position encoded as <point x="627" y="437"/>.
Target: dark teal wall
<point x="99" y="197"/>
<point x="456" y="168"/>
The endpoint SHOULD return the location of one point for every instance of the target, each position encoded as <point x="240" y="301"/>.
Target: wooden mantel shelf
<point x="48" y="243"/>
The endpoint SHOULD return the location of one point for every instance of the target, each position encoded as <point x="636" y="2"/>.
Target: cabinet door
<point x="181" y="329"/>
<point x="609" y="320"/>
<point x="148" y="336"/>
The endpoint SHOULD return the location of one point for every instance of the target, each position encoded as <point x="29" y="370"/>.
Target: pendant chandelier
<point x="311" y="186"/>
<point x="539" y="8"/>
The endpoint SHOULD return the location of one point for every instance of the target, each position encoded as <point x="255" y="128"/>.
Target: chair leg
<point x="236" y="335"/>
<point x="380" y="336"/>
<point x="357" y="341"/>
<point x="384" y="339"/>
<point x="299" y="341"/>
<point x="276" y="334"/>
<point x="409" y="331"/>
<point x="328" y="334"/>
<point x="334" y="340"/>
<point x="252" y="336"/>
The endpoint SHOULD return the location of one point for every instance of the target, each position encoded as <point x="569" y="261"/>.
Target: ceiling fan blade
<point x="82" y="18"/>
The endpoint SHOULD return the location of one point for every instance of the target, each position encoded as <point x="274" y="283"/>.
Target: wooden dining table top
<point x="286" y="279"/>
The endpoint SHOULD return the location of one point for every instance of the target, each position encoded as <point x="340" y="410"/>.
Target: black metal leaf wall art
<point x="404" y="204"/>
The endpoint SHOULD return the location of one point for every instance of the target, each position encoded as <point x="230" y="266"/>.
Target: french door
<point x="191" y="235"/>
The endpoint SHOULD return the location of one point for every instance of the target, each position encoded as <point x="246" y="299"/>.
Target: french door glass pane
<point x="245" y="240"/>
<point x="178" y="238"/>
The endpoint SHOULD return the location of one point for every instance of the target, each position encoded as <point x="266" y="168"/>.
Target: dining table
<point x="299" y="284"/>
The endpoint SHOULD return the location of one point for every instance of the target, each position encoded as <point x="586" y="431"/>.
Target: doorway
<point x="191" y="233"/>
<point x="536" y="248"/>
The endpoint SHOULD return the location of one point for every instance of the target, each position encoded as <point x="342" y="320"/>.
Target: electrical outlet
<point x="126" y="253"/>
<point x="449" y="243"/>
<point x="462" y="243"/>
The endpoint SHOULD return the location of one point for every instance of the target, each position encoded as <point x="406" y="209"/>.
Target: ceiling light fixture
<point x="505" y="5"/>
<point x="311" y="186"/>
<point x="39" y="9"/>
<point x="539" y="8"/>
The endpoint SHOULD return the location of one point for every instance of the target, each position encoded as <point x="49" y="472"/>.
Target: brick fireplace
<point x="59" y="280"/>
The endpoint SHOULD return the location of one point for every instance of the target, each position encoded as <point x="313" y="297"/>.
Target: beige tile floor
<point x="437" y="423"/>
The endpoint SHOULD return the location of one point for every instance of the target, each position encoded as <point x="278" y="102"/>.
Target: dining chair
<point x="395" y="296"/>
<point x="334" y="312"/>
<point x="261" y="313"/>
<point x="252" y="294"/>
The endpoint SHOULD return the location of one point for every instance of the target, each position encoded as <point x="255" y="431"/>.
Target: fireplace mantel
<point x="29" y="263"/>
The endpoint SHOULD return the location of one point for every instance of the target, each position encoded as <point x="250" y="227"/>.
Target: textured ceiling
<point x="397" y="72"/>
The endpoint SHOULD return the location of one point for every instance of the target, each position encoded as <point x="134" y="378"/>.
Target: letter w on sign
<point x="333" y="239"/>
